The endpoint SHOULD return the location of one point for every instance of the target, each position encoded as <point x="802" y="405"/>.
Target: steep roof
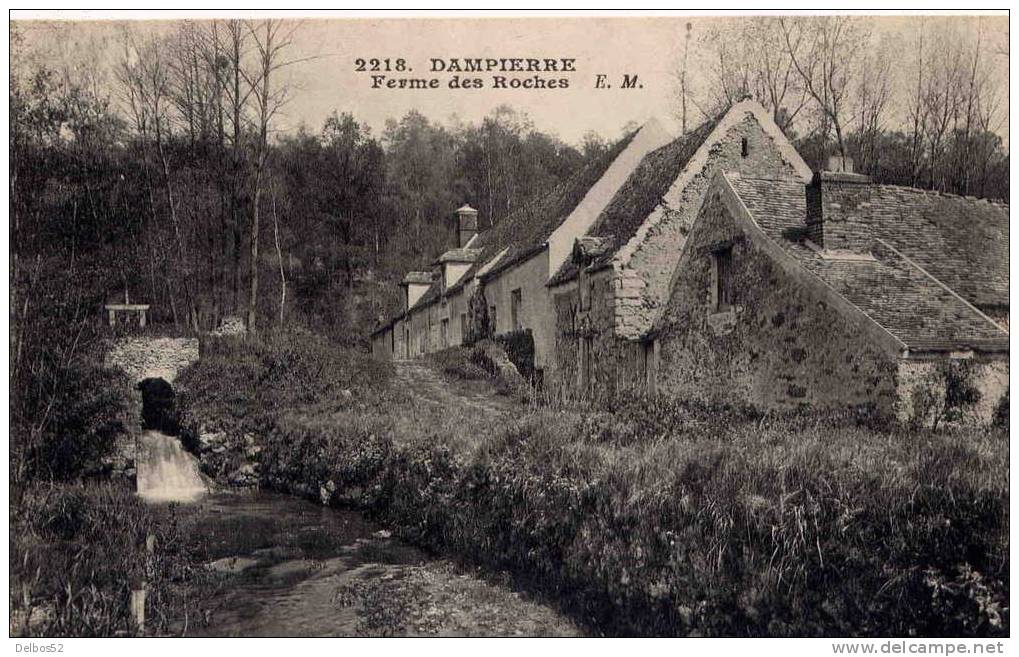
<point x="960" y="240"/>
<point x="907" y="299"/>
<point x="638" y="197"/>
<point x="524" y="232"/>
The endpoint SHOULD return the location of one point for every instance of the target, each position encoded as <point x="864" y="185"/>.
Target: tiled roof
<point x="890" y="289"/>
<point x="961" y="241"/>
<point x="459" y="255"/>
<point x="642" y="192"/>
<point x="524" y="232"/>
<point x="417" y="277"/>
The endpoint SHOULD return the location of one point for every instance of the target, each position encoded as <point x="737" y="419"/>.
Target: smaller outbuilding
<point x="839" y="294"/>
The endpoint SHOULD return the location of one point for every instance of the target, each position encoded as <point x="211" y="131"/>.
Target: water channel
<point x="283" y="566"/>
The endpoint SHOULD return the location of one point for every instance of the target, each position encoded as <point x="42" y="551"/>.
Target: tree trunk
<point x="279" y="257"/>
<point x="253" y="271"/>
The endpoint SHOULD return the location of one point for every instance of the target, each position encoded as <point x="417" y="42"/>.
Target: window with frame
<point x="516" y="301"/>
<point x="444" y="333"/>
<point x="463" y="327"/>
<point x="493" y="320"/>
<point x="723" y="274"/>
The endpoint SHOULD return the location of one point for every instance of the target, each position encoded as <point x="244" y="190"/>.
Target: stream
<point x="284" y="566"/>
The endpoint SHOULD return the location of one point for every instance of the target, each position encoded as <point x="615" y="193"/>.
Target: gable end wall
<point x="652" y="256"/>
<point x="784" y="345"/>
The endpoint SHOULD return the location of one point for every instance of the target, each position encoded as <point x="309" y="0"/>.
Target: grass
<point x="77" y="552"/>
<point x="665" y="518"/>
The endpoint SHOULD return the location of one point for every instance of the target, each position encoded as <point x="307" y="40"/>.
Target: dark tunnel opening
<point x="158" y="406"/>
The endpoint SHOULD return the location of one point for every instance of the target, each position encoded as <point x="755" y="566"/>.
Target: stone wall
<point x="989" y="377"/>
<point x="144" y="358"/>
<point x="585" y="339"/>
<point x="649" y="261"/>
<point x="782" y="345"/>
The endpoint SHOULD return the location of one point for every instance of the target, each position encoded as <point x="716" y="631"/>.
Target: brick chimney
<point x="467" y="223"/>
<point x="833" y="198"/>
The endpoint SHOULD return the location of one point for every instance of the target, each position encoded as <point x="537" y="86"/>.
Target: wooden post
<point x="138" y="596"/>
<point x="138" y="607"/>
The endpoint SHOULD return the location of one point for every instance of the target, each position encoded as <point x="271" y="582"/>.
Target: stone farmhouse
<point x="839" y="293"/>
<point x="505" y="270"/>
<point x="717" y="266"/>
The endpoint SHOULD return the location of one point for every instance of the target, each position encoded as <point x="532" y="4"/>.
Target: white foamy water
<point x="166" y="473"/>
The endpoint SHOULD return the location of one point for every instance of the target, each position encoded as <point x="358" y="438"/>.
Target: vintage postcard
<point x="516" y="325"/>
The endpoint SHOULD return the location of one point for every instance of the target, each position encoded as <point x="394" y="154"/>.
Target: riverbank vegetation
<point x="79" y="550"/>
<point x="657" y="516"/>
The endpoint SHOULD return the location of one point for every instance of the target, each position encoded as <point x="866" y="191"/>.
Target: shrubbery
<point x="485" y="360"/>
<point x="244" y="383"/>
<point x="69" y="431"/>
<point x="463" y="363"/>
<point x="519" y="348"/>
<point x="1000" y="418"/>
<point x="753" y="530"/>
<point x="77" y="552"/>
<point x="663" y="518"/>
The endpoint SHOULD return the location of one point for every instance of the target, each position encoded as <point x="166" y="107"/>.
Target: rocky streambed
<point x="282" y="566"/>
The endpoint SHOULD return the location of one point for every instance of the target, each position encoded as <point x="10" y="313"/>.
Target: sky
<point x="324" y="78"/>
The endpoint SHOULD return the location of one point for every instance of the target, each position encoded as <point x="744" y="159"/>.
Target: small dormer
<point x="455" y="263"/>
<point x="415" y="284"/>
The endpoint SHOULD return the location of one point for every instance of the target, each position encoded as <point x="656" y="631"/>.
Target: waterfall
<point x="166" y="473"/>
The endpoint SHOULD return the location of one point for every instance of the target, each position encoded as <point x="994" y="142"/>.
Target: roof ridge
<point x="938" y="192"/>
<point x="920" y="190"/>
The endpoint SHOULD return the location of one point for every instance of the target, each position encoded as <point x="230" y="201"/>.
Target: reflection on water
<point x="166" y="473"/>
<point x="282" y="566"/>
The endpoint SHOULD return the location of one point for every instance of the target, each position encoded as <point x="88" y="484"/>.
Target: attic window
<point x="744" y="147"/>
<point x="722" y="289"/>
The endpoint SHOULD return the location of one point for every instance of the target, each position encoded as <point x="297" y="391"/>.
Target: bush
<point x="944" y="395"/>
<point x="243" y="383"/>
<point x="665" y="519"/>
<point x="519" y="348"/>
<point x="1000" y="419"/>
<point x="73" y="426"/>
<point x="462" y="363"/>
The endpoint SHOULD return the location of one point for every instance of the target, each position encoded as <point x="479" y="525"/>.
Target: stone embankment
<point x="153" y="358"/>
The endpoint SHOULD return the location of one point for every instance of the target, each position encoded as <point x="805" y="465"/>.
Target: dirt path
<point x="429" y="387"/>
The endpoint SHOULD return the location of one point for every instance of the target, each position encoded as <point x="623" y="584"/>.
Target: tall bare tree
<point x="750" y="59"/>
<point x="145" y="78"/>
<point x="826" y="52"/>
<point x="271" y="42"/>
